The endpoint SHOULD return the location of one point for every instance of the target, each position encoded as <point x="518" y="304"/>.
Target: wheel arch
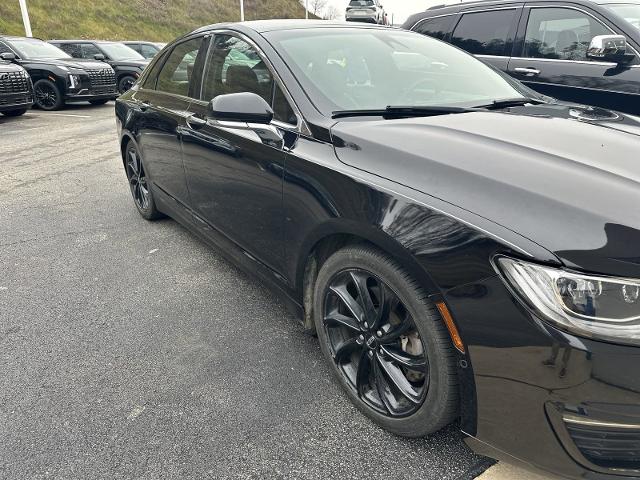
<point x="335" y="234"/>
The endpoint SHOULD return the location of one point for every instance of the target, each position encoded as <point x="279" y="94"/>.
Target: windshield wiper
<point x="401" y="111"/>
<point x="512" y="102"/>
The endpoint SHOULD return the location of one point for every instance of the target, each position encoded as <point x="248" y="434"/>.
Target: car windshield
<point x="370" y="69"/>
<point x="119" y="51"/>
<point x="361" y="3"/>
<point x="34" y="48"/>
<point x="629" y="11"/>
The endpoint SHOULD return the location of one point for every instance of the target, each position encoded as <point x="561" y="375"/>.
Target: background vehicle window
<point x="147" y="51"/>
<point x="484" y="33"/>
<point x="236" y="67"/>
<point x="560" y="33"/>
<point x="152" y="76"/>
<point x="89" y="50"/>
<point x="361" y="3"/>
<point x="72" y="49"/>
<point x="4" y="48"/>
<point x="175" y="76"/>
<point x="435" y="27"/>
<point x="134" y="46"/>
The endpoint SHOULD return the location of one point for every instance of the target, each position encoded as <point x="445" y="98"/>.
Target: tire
<point x="125" y="83"/>
<point x="139" y="184"/>
<point x="47" y="95"/>
<point x="433" y="400"/>
<point x="98" y="102"/>
<point x="15" y="113"/>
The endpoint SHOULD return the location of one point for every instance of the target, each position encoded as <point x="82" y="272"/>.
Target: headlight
<point x="604" y="308"/>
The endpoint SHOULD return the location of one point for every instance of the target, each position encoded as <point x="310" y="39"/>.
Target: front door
<point x="553" y="60"/>
<point x="235" y="179"/>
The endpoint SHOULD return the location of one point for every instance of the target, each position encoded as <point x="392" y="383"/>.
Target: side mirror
<point x="611" y="48"/>
<point x="245" y="111"/>
<point x="8" y="56"/>
<point x="240" y="107"/>
<point x="100" y="57"/>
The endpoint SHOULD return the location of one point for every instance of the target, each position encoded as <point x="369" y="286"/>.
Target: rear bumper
<point x="15" y="101"/>
<point x="361" y="18"/>
<point x="542" y="397"/>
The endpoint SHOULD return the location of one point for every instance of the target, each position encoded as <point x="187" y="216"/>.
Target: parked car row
<point x="583" y="51"/>
<point x="51" y="74"/>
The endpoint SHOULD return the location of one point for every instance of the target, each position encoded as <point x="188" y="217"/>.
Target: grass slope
<point x="158" y="20"/>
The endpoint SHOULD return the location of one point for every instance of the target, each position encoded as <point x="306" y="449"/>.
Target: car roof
<point x="262" y="26"/>
<point x="85" y="40"/>
<point x="458" y="6"/>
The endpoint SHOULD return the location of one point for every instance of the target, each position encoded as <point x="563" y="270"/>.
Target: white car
<point x="370" y="11"/>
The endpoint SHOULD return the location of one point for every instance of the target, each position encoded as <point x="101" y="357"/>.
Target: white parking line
<point x="70" y="115"/>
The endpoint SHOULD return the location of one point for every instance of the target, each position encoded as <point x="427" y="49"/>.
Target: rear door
<point x="163" y="104"/>
<point x="550" y="56"/>
<point x="488" y="33"/>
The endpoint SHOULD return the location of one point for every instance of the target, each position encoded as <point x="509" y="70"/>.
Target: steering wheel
<point x="411" y="90"/>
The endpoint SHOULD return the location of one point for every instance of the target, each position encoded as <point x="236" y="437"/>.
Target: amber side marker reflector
<point x="451" y="326"/>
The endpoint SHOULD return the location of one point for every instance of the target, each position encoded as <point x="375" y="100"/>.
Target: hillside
<point x="157" y="20"/>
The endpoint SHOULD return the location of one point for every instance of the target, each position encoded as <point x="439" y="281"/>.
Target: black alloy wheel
<point x="125" y="83"/>
<point x="139" y="184"/>
<point x="47" y="96"/>
<point x="385" y="342"/>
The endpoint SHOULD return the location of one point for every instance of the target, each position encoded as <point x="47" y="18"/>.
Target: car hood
<point x="565" y="178"/>
<point x="69" y="63"/>
<point x="6" y="67"/>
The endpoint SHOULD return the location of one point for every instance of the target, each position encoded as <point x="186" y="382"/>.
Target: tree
<point x="315" y="6"/>
<point x="331" y="13"/>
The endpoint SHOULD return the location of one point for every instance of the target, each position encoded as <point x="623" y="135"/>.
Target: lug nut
<point x="379" y="333"/>
<point x="371" y="353"/>
<point x="366" y="325"/>
<point x="360" y="339"/>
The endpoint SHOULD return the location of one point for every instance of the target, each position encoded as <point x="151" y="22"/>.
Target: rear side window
<point x="485" y="33"/>
<point x="177" y="72"/>
<point x="361" y="3"/>
<point x="560" y="33"/>
<point x="435" y="27"/>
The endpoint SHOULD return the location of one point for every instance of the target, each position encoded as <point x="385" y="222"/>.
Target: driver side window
<point x="560" y="33"/>
<point x="235" y="67"/>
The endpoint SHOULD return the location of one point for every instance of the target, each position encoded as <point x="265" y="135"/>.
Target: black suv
<point x="147" y="49"/>
<point x="57" y="78"/>
<point x="16" y="90"/>
<point x="579" y="50"/>
<point x="127" y="63"/>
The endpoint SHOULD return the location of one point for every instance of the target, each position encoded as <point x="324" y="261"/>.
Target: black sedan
<point x="465" y="249"/>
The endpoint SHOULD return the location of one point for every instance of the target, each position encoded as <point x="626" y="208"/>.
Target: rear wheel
<point x="139" y="184"/>
<point x="98" y="102"/>
<point x="47" y="95"/>
<point x="385" y="342"/>
<point x="15" y="113"/>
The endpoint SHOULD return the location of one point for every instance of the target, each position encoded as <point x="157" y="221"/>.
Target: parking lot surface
<point x="129" y="349"/>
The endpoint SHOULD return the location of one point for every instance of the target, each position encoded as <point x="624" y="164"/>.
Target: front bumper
<point x="542" y="397"/>
<point x="85" y="94"/>
<point x="15" y="101"/>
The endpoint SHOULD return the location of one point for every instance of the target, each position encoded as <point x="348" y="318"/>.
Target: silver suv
<point x="370" y="11"/>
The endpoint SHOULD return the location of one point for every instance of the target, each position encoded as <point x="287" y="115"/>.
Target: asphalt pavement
<point x="129" y="349"/>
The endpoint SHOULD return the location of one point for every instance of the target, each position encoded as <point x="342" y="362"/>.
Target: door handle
<point x="528" y="71"/>
<point x="195" y="122"/>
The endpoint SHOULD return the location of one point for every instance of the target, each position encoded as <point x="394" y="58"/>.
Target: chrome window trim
<point x="596" y="90"/>
<point x="585" y="62"/>
<point x="301" y="124"/>
<point x="423" y="20"/>
<point x="484" y="55"/>
<point x="570" y="7"/>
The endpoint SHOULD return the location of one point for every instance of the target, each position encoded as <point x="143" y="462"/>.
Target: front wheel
<point x="139" y="184"/>
<point x="125" y="83"/>
<point x="47" y="95"/>
<point x="385" y="342"/>
<point x="15" y="113"/>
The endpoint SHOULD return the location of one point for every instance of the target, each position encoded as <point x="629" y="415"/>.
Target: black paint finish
<point x="443" y="195"/>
